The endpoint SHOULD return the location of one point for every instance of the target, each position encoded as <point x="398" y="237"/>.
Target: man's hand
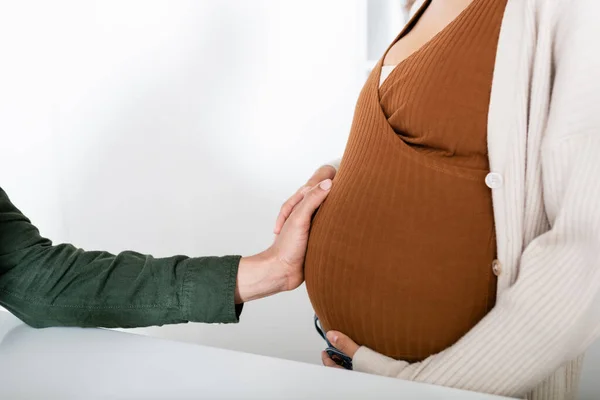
<point x="281" y="267"/>
<point x="323" y="173"/>
<point x="341" y="342"/>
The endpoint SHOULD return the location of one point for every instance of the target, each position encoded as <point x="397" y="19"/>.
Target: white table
<point x="73" y="363"/>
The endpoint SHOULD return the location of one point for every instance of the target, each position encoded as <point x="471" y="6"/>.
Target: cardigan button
<point x="496" y="267"/>
<point x="494" y="180"/>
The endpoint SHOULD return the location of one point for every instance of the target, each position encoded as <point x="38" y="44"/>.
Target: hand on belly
<point x="341" y="342"/>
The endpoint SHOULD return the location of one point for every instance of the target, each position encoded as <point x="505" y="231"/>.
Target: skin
<point x="435" y="18"/>
<point x="281" y="267"/>
<point x="341" y="342"/>
<point x="323" y="173"/>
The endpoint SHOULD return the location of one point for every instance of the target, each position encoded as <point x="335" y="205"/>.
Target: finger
<point x="327" y="361"/>
<point x="325" y="172"/>
<point x="343" y="343"/>
<point x="288" y="207"/>
<point x="312" y="200"/>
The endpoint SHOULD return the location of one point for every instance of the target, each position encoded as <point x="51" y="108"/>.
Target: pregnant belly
<point x="405" y="271"/>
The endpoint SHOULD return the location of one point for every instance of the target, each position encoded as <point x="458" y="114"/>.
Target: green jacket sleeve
<point x="46" y="285"/>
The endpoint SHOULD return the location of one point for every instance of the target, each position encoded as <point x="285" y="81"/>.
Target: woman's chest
<point x="438" y="98"/>
<point x="430" y="21"/>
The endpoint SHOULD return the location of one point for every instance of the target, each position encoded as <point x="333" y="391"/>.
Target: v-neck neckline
<point x="407" y="28"/>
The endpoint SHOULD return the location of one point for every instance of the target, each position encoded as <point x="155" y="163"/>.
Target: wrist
<point x="259" y="276"/>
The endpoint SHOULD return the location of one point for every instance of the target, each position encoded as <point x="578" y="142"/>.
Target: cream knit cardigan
<point x="544" y="142"/>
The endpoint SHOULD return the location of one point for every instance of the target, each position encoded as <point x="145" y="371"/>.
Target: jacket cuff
<point x="371" y="362"/>
<point x="208" y="293"/>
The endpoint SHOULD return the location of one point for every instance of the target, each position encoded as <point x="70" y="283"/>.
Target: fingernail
<point x="326" y="184"/>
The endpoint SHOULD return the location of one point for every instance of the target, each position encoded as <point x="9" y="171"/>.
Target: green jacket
<point x="46" y="285"/>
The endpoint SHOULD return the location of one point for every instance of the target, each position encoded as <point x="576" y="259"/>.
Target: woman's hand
<point x="323" y="173"/>
<point x="281" y="267"/>
<point x="341" y="342"/>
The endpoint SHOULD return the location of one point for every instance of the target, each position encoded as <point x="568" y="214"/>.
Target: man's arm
<point x="46" y="285"/>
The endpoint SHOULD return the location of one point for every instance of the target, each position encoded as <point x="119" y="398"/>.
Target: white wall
<point x="179" y="127"/>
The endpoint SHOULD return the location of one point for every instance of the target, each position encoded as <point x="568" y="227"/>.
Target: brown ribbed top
<point x="400" y="254"/>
